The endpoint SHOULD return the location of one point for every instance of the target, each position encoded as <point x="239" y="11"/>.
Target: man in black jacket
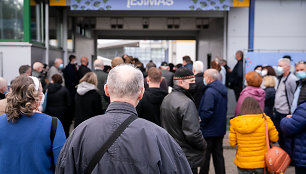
<point x="148" y="108"/>
<point x="83" y="68"/>
<point x="179" y="116"/>
<point x="236" y="79"/>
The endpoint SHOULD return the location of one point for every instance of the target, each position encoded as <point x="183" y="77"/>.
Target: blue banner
<point x="258" y="58"/>
<point x="178" y="5"/>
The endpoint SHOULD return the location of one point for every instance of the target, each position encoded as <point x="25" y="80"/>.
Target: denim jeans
<point x="251" y="171"/>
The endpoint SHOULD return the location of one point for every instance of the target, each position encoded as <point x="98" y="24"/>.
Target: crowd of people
<point x="131" y="118"/>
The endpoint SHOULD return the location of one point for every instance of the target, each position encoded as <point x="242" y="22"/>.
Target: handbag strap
<point x="96" y="158"/>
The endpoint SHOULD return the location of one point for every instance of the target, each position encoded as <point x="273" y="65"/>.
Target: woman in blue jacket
<point x="294" y="127"/>
<point x="26" y="146"/>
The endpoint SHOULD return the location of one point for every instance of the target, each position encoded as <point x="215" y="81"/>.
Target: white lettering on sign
<point x="131" y="3"/>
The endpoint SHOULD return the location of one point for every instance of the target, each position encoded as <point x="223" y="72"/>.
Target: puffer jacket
<point x="248" y="133"/>
<point x="294" y="128"/>
<point x="250" y="91"/>
<point x="179" y="116"/>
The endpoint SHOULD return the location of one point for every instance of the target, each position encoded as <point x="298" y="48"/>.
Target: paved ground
<point x="229" y="156"/>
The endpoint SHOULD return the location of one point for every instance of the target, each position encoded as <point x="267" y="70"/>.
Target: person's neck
<point x="285" y="74"/>
<point x="154" y="85"/>
<point x="124" y="100"/>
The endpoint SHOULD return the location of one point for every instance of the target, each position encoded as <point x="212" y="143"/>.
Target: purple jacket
<point x="250" y="91"/>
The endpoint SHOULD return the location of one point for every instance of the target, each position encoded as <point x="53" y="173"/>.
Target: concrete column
<point x="47" y="32"/>
<point x="65" y="37"/>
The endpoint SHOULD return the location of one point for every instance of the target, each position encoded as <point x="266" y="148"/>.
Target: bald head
<point x="98" y="63"/>
<point x="37" y="66"/>
<point x="117" y="61"/>
<point x="122" y="86"/>
<point x="84" y="61"/>
<point x="3" y="85"/>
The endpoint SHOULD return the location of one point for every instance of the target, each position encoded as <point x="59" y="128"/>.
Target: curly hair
<point x="21" y="99"/>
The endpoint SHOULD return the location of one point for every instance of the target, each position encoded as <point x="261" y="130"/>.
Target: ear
<point x="141" y="93"/>
<point x="148" y="80"/>
<point x="106" y="90"/>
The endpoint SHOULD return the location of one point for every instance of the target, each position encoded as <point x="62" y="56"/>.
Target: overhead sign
<point x="241" y="3"/>
<point x="57" y="2"/>
<point x="265" y="58"/>
<point x="178" y="5"/>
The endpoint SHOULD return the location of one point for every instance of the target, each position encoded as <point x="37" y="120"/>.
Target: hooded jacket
<point x="213" y="109"/>
<point x="58" y="102"/>
<point x="149" y="107"/>
<point x="250" y="91"/>
<point x="87" y="102"/>
<point x="248" y="133"/>
<point x="294" y="128"/>
<point x="180" y="118"/>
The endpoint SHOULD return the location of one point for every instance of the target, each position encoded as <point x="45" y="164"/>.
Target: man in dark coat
<point x="212" y="110"/>
<point x="70" y="75"/>
<point x="148" y="108"/>
<point x="143" y="147"/>
<point x="180" y="118"/>
<point x="166" y="73"/>
<point x="236" y="78"/>
<point x="83" y="68"/>
<point x="102" y="77"/>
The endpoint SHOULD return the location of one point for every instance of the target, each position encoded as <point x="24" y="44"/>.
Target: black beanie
<point x="183" y="73"/>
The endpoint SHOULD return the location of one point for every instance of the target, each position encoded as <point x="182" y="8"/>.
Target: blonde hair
<point x="269" y="81"/>
<point x="90" y="77"/>
<point x="22" y="98"/>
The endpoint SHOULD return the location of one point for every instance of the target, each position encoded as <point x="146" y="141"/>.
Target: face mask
<point x="264" y="72"/>
<point x="42" y="99"/>
<point x="301" y="74"/>
<point x="204" y="82"/>
<point x="61" y="66"/>
<point x="258" y="71"/>
<point x="280" y="70"/>
<point x="192" y="87"/>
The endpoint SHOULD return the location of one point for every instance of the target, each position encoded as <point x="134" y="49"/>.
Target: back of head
<point x="3" y="83"/>
<point x="215" y="65"/>
<point x="269" y="81"/>
<point x="37" y="66"/>
<point x="84" y="60"/>
<point x="155" y="75"/>
<point x="187" y="59"/>
<point x="117" y="61"/>
<point x="253" y="79"/>
<point x="250" y="106"/>
<point x="150" y="65"/>
<point x="198" y="67"/>
<point x="240" y="53"/>
<point x="71" y="57"/>
<point x="22" y="97"/>
<point x="287" y="57"/>
<point x="56" y="78"/>
<point x="90" y="77"/>
<point x="98" y="63"/>
<point x="125" y="82"/>
<point x="213" y="74"/>
<point x="270" y="70"/>
<point x="24" y="69"/>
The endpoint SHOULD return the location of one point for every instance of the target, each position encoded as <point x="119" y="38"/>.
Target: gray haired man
<point x="102" y="77"/>
<point x="143" y="147"/>
<point x="56" y="69"/>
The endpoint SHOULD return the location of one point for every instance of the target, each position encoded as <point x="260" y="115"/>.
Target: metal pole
<point x="1" y="21"/>
<point x="38" y="39"/>
<point x="1" y="63"/>
<point x="47" y="32"/>
<point x="65" y="37"/>
<point x="251" y="25"/>
<point x="225" y="37"/>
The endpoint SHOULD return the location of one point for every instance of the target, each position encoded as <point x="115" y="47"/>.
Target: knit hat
<point x="183" y="73"/>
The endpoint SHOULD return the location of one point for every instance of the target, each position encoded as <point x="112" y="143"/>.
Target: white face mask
<point x="264" y="72"/>
<point x="42" y="99"/>
<point x="258" y="71"/>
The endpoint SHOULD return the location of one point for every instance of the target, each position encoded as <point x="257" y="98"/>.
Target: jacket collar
<point x="121" y="107"/>
<point x="177" y="88"/>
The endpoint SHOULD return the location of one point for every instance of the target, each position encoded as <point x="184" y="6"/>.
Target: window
<point x="37" y="23"/>
<point x="11" y="20"/>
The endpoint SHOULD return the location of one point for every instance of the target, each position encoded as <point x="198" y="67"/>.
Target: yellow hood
<point x="246" y="124"/>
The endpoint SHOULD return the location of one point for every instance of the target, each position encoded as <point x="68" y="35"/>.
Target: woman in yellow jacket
<point x="247" y="132"/>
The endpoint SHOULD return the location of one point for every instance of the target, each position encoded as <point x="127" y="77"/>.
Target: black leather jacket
<point x="179" y="116"/>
